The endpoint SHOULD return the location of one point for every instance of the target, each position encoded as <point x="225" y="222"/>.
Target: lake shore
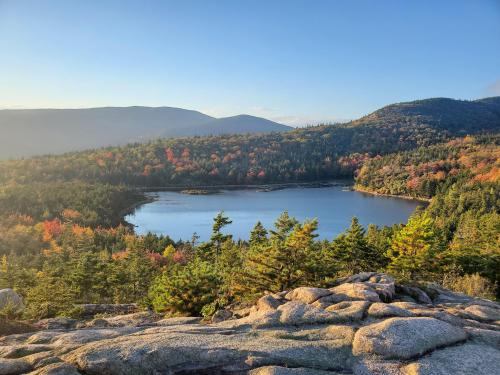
<point x="407" y="197"/>
<point x="259" y="187"/>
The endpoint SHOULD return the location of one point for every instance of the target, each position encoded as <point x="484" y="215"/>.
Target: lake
<point x="180" y="215"/>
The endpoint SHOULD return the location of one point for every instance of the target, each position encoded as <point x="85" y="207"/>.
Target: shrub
<point x="185" y="289"/>
<point x="473" y="285"/>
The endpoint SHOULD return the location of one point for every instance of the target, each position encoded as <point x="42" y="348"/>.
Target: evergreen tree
<point x="258" y="235"/>
<point x="413" y="248"/>
<point x="353" y="252"/>
<point x="212" y="249"/>
<point x="185" y="289"/>
<point x="283" y="225"/>
<point x="283" y="261"/>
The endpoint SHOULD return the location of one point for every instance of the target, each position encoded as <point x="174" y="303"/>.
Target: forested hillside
<point x="423" y="172"/>
<point x="59" y="214"/>
<point x="314" y="153"/>
<point x="462" y="177"/>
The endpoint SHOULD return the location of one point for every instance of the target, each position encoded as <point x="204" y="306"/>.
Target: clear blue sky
<point x="293" y="61"/>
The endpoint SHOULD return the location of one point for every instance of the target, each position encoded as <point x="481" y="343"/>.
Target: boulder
<point x="221" y="315"/>
<point x="444" y="296"/>
<point x="384" y="285"/>
<point x="10" y="300"/>
<point x="383" y="310"/>
<point x="467" y="359"/>
<point x="484" y="336"/>
<point x="257" y="319"/>
<point x="415" y="293"/>
<point x="403" y="338"/>
<point x="485" y="313"/>
<point x="349" y="310"/>
<point x="12" y="327"/>
<point x="14" y="366"/>
<point x="297" y="313"/>
<point x="18" y="351"/>
<point x="56" y="323"/>
<point x="268" y="303"/>
<point x="307" y="294"/>
<point x="357" y="278"/>
<point x="351" y="292"/>
<point x="138" y="319"/>
<point x="205" y="350"/>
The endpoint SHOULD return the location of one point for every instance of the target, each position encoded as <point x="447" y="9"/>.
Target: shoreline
<point x="130" y="209"/>
<point x="262" y="187"/>
<point x="407" y="197"/>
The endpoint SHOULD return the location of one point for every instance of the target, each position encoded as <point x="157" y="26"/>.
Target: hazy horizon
<point x="293" y="63"/>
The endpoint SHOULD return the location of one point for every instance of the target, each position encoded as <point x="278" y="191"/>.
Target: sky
<point x="295" y="62"/>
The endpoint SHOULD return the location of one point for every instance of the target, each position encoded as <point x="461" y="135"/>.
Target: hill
<point x="315" y="153"/>
<point x="42" y="131"/>
<point x="457" y="117"/>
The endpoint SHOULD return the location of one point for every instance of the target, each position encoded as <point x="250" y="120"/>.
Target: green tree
<point x="413" y="248"/>
<point x="352" y="251"/>
<point x="283" y="261"/>
<point x="258" y="235"/>
<point x="212" y="249"/>
<point x="185" y="288"/>
<point x="51" y="296"/>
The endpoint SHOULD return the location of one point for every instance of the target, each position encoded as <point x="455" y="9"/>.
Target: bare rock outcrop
<point x="365" y="325"/>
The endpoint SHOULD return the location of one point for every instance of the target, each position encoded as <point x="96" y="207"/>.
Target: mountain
<point x="454" y="116"/>
<point x="244" y="124"/>
<point x="41" y="131"/>
<point x="306" y="154"/>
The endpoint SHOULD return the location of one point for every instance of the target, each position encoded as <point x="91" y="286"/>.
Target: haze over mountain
<point x="29" y="132"/>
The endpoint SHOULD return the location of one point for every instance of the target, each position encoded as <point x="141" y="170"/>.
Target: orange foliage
<point x="492" y="176"/>
<point x="169" y="153"/>
<point x="70" y="214"/>
<point x="119" y="255"/>
<point x="81" y="231"/>
<point x="52" y="229"/>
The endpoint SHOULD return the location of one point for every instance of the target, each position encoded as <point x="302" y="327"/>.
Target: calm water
<point x="179" y="215"/>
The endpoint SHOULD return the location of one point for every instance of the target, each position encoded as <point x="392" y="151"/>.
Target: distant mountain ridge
<point x="29" y="132"/>
<point x="396" y="127"/>
<point x="454" y="116"/>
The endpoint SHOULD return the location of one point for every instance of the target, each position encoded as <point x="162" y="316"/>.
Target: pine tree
<point x="413" y="248"/>
<point x="353" y="252"/>
<point x="258" y="235"/>
<point x="280" y="262"/>
<point x="283" y="226"/>
<point x="212" y="249"/>
<point x="185" y="289"/>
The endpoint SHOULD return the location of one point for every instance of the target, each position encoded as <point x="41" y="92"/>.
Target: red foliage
<point x="169" y="154"/>
<point x="52" y="229"/>
<point x="157" y="258"/>
<point x="179" y="257"/>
